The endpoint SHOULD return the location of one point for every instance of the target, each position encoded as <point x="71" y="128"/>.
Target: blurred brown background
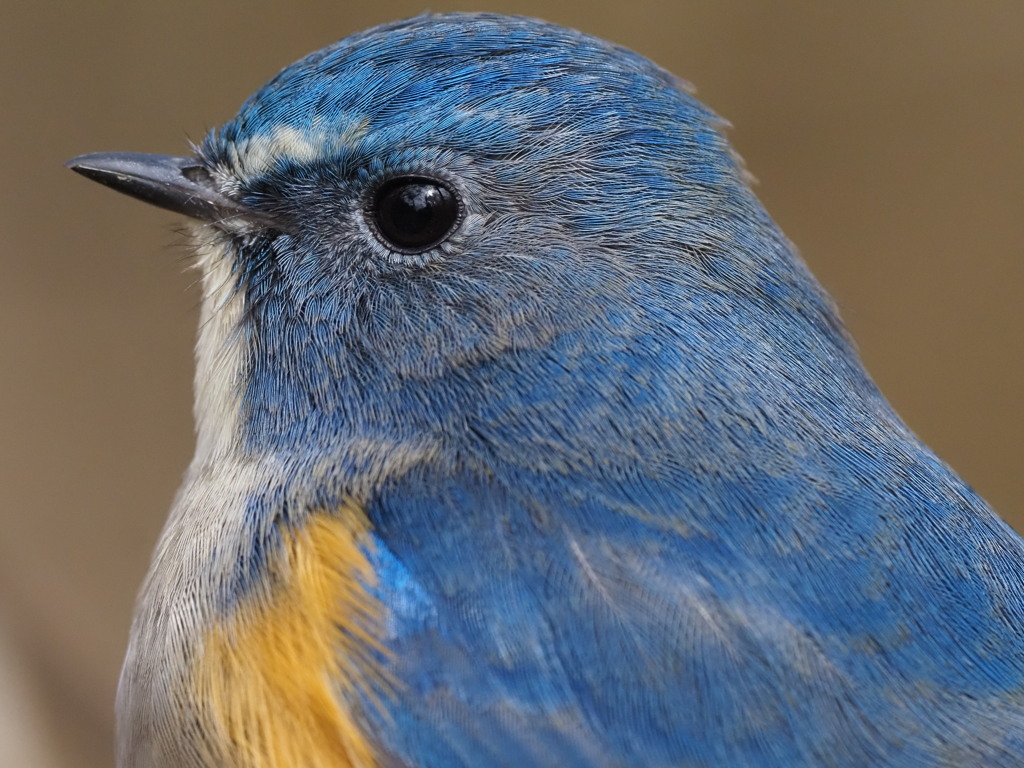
<point x="888" y="138"/>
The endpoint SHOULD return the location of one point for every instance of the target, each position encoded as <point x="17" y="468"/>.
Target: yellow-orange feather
<point x="279" y="676"/>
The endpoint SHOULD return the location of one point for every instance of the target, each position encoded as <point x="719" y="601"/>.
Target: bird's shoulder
<point x="657" y="616"/>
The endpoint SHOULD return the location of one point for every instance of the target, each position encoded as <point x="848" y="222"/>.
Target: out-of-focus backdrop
<point x="889" y="143"/>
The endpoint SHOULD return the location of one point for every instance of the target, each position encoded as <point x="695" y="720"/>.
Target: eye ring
<point x="413" y="213"/>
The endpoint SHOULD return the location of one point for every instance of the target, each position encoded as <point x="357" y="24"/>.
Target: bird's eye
<point x="414" y="213"/>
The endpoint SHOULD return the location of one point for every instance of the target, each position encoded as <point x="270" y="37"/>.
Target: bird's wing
<point x="577" y="621"/>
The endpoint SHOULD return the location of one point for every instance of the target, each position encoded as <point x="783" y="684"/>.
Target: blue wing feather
<point x="675" y="595"/>
<point x="533" y="641"/>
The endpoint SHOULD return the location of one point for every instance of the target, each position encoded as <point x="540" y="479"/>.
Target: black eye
<point x="414" y="213"/>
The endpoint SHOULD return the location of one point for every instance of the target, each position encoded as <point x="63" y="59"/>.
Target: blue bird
<point x="525" y="438"/>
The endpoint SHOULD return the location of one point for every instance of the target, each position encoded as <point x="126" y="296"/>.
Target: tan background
<point x="889" y="140"/>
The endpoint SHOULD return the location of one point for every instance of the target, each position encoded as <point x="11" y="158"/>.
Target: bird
<point x="524" y="437"/>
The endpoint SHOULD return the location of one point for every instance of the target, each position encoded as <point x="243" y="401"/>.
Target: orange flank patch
<point x="277" y="679"/>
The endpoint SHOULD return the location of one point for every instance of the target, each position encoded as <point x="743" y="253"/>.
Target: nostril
<point x="197" y="174"/>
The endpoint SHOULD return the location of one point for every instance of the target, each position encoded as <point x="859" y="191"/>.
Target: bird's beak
<point x="179" y="184"/>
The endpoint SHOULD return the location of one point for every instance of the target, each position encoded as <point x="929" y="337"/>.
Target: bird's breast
<point x="254" y="661"/>
<point x="278" y="676"/>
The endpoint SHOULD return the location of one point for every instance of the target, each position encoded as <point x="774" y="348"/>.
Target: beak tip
<point x="77" y="164"/>
<point x="80" y="162"/>
<point x="166" y="181"/>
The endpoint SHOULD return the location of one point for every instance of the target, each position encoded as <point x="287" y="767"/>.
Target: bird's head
<point x="448" y="194"/>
